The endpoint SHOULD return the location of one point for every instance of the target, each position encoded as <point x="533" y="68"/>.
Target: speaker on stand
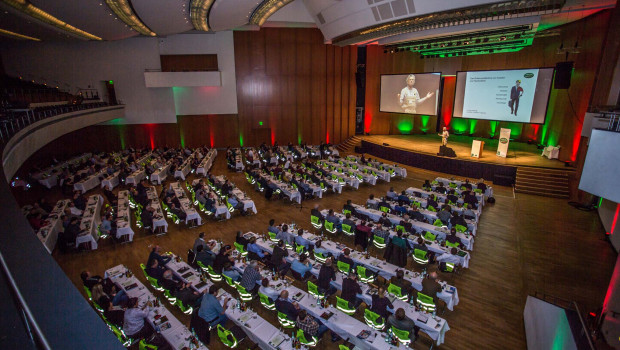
<point x="563" y="72"/>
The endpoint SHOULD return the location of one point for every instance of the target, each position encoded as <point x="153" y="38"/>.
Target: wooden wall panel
<point x="566" y="107"/>
<point x="301" y="86"/>
<point x="183" y="63"/>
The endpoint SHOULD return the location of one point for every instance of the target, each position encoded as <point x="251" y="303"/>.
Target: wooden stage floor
<point x="519" y="153"/>
<point x="524" y="244"/>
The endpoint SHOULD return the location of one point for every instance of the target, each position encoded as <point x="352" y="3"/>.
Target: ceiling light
<point x="199" y="12"/>
<point x="267" y="8"/>
<point x="123" y="9"/>
<point x="33" y="11"/>
<point x="17" y="36"/>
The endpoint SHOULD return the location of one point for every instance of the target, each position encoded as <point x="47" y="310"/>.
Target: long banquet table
<point x="123" y="216"/>
<point x="89" y="226"/>
<point x="48" y="234"/>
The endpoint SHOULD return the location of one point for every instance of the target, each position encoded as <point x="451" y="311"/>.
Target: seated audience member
<point x="250" y="277"/>
<point x="156" y="255"/>
<point x="187" y="295"/>
<point x="272" y="228"/>
<point x="431" y="202"/>
<point x="451" y="197"/>
<point x="316" y="212"/>
<point x="253" y="248"/>
<point x="350" y="289"/>
<point x="205" y="255"/>
<point x="211" y="310"/>
<point x="452" y="237"/>
<point x="391" y="194"/>
<point x="345" y="258"/>
<point x="372" y="203"/>
<point x="230" y="271"/>
<point x="89" y="280"/>
<point x="385" y="221"/>
<point x="278" y="258"/>
<point x="331" y="217"/>
<point x="400" y="321"/>
<point x="310" y="325"/>
<point x="349" y="207"/>
<point x="404" y="198"/>
<point x="266" y="289"/>
<point x="241" y="239"/>
<point x="471" y="199"/>
<point x="147" y="217"/>
<point x="223" y="257"/>
<point x="134" y="325"/>
<point x="380" y="303"/>
<point x="444" y="215"/>
<point x="113" y="314"/>
<point x="302" y="266"/>
<point x="379" y="231"/>
<point x="348" y="221"/>
<point x="430" y="286"/>
<point x="106" y="226"/>
<point x="168" y="282"/>
<point x="414" y="214"/>
<point x="300" y="240"/>
<point x="155" y="270"/>
<point x="36" y="221"/>
<point x="283" y="305"/>
<point x="399" y="280"/>
<point x="326" y="276"/>
<point x="458" y="220"/>
<point x="116" y="298"/>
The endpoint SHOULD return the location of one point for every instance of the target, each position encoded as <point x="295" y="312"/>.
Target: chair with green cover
<point x="426" y="302"/>
<point x="384" y="209"/>
<point x="230" y="337"/>
<point x="88" y="293"/>
<point x="402" y="336"/>
<point x="330" y="227"/>
<point x="438" y="223"/>
<point x="452" y="185"/>
<point x="363" y="275"/>
<point x="120" y="335"/>
<point x="307" y="341"/>
<point x="187" y="309"/>
<point x="213" y="275"/>
<point x="143" y="345"/>
<point x="374" y="320"/>
<point x="378" y="242"/>
<point x="284" y="321"/>
<point x="344" y="306"/>
<point x="320" y="257"/>
<point x="452" y="245"/>
<point x="431" y="208"/>
<point x="152" y="281"/>
<point x="272" y="236"/>
<point x="316" y="222"/>
<point x="343" y="267"/>
<point x="343" y="347"/>
<point x="416" y="204"/>
<point x="429" y="236"/>
<point x="420" y="256"/>
<point x="239" y="247"/>
<point x="396" y="291"/>
<point x="243" y="293"/>
<point x="460" y="228"/>
<point x="228" y="205"/>
<point x="449" y="267"/>
<point x="400" y="228"/>
<point x="478" y="191"/>
<point x="172" y="300"/>
<point x="264" y="300"/>
<point x="97" y="307"/>
<point x="229" y="281"/>
<point x="347" y="230"/>
<point x="300" y="248"/>
<point x="392" y="173"/>
<point x="313" y="289"/>
<point x="346" y="211"/>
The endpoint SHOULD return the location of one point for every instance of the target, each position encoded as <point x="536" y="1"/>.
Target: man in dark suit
<point x="316" y="212"/>
<point x="200" y="241"/>
<point x="155" y="270"/>
<point x="414" y="214"/>
<point x="155" y="255"/>
<point x="286" y="307"/>
<point x="430" y="286"/>
<point x="399" y="280"/>
<point x="515" y="94"/>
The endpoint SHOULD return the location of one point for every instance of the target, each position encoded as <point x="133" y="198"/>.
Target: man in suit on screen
<point x="515" y="94"/>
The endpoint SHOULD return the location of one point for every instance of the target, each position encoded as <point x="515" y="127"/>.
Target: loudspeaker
<point x="446" y="151"/>
<point x="563" y="72"/>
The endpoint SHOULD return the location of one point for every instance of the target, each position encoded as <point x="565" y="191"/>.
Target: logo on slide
<point x="503" y="140"/>
<point x="528" y="75"/>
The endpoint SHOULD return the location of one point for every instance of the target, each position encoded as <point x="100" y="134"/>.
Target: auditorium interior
<point x="296" y="174"/>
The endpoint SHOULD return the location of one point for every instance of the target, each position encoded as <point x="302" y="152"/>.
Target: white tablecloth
<point x="91" y="219"/>
<point x="207" y="162"/>
<point x="48" y="234"/>
<point x="123" y="216"/>
<point x="186" y="204"/>
<point x="160" y="174"/>
<point x="111" y="181"/>
<point x="159" y="217"/>
<point x="488" y="192"/>
<point x="177" y="335"/>
<point x="89" y="183"/>
<point x="49" y="181"/>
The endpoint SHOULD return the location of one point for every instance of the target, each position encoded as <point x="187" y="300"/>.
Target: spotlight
<point x="502" y="38"/>
<point x="466" y="43"/>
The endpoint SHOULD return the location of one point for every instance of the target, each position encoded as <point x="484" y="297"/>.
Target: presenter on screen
<point x="515" y="94"/>
<point x="409" y="96"/>
<point x="444" y="136"/>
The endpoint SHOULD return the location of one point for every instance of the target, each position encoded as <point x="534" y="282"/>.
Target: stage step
<point x="349" y="144"/>
<point x="543" y="182"/>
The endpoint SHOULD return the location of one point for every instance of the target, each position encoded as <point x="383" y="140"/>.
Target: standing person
<point x="444" y="136"/>
<point x="515" y="94"/>
<point x="409" y="97"/>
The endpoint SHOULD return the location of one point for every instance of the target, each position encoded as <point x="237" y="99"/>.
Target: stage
<point x="421" y="151"/>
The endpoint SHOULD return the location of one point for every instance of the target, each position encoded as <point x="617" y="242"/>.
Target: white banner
<point x="476" y="148"/>
<point x="504" y="139"/>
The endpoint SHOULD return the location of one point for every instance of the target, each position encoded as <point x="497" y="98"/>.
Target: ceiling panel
<point x="164" y="17"/>
<point x="92" y="16"/>
<point x="229" y="14"/>
<point x="17" y="22"/>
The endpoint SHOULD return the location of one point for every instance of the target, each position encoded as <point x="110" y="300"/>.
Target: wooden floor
<point x="524" y="244"/>
<point x="519" y="153"/>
